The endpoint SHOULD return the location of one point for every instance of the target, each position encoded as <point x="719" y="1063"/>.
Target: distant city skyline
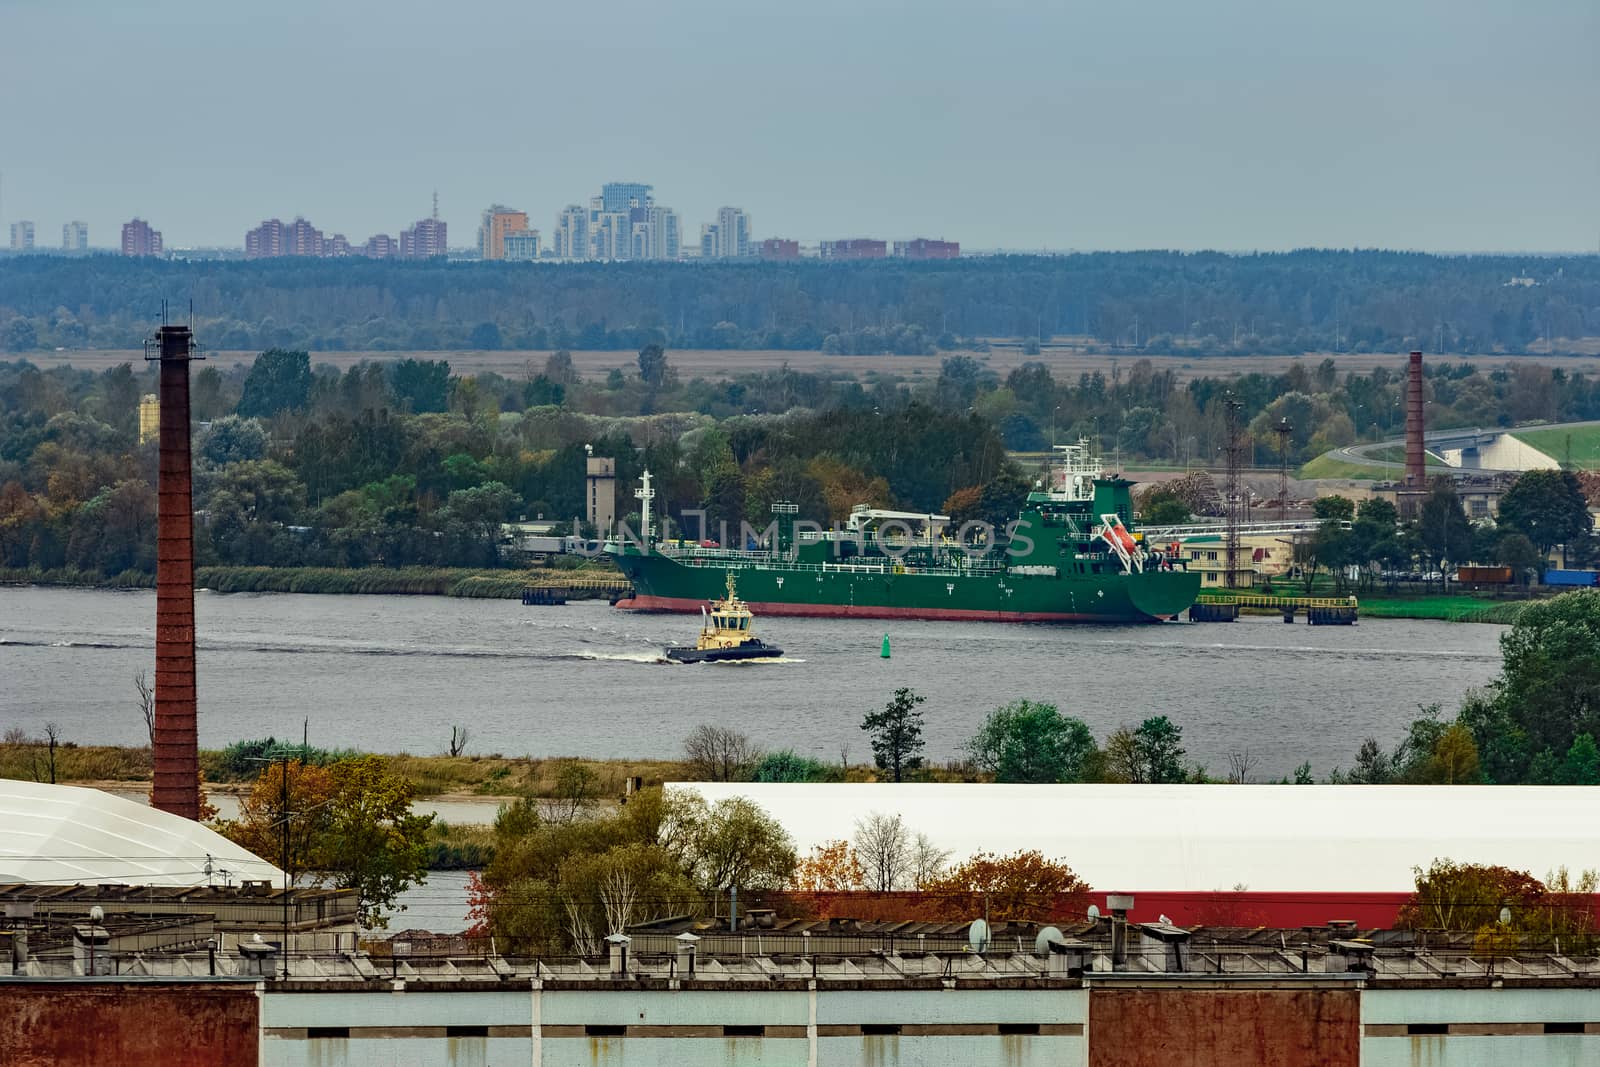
<point x="1243" y="124"/>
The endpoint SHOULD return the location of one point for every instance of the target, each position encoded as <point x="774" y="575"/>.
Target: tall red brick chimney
<point x="1416" y="458"/>
<point x="177" y="757"/>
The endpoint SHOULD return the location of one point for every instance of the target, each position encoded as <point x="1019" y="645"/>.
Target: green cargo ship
<point x="1071" y="556"/>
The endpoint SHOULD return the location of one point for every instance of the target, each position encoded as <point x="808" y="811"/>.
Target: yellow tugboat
<point x="726" y="634"/>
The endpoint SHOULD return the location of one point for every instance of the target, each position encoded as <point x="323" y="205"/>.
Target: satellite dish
<point x="978" y="935"/>
<point x="1094" y="913"/>
<point x="1041" y="944"/>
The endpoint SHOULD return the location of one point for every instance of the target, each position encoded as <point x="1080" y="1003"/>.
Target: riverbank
<point x="589" y="579"/>
<point x="495" y="777"/>
<point x="1440" y="607"/>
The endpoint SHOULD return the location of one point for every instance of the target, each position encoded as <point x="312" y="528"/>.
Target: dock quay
<point x="578" y="589"/>
<point x="1318" y="610"/>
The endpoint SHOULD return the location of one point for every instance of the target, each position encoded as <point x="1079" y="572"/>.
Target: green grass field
<point x="1580" y="445"/>
<point x="1397" y="454"/>
<point x="1325" y="466"/>
<point x="1446" y="608"/>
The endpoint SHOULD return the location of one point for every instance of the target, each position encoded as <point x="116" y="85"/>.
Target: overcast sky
<point x="1113" y="124"/>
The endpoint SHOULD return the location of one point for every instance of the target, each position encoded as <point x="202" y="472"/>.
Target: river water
<point x="391" y="674"/>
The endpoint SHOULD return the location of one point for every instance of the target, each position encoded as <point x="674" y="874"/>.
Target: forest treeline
<point x="405" y="464"/>
<point x="1157" y="302"/>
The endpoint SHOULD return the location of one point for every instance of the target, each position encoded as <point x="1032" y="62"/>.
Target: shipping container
<point x="1485" y="575"/>
<point x="1570" y="578"/>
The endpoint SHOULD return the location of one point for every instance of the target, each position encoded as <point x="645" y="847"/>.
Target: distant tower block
<point x="1416" y="457"/>
<point x="149" y="417"/>
<point x="177" y="757"/>
<point x="601" y="492"/>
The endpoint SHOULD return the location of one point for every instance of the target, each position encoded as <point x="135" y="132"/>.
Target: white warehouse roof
<point x="70" y="835"/>
<point x="1205" y="838"/>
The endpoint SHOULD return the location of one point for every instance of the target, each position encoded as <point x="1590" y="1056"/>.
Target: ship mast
<point x="644" y="494"/>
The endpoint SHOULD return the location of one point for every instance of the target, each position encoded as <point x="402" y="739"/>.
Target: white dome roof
<point x="71" y="835"/>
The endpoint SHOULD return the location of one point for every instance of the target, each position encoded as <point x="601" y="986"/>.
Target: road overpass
<point x="1464" y="450"/>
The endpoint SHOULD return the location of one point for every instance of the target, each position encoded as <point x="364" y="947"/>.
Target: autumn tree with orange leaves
<point x="832" y="867"/>
<point x="1024" y="886"/>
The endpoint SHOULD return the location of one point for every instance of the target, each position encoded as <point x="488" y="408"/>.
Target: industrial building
<point x="925" y="248"/>
<point x="854" y="248"/>
<point x="1273" y="855"/>
<point x="1108" y="993"/>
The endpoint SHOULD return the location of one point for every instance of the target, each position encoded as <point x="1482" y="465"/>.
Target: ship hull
<point x="665" y="584"/>
<point x="723" y="655"/>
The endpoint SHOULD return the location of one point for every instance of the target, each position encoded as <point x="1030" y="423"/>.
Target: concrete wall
<point x="597" y="1026"/>
<point x="1155" y="1026"/>
<point x="1483" y="1027"/>
<point x="673" y="1028"/>
<point x="78" y="1024"/>
<point x="403" y="1029"/>
<point x="946" y="1028"/>
<point x="1504" y="453"/>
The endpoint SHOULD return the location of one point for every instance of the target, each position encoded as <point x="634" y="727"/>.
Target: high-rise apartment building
<point x="620" y="196"/>
<point x="498" y="221"/>
<point x="571" y="238"/>
<point x="267" y="241"/>
<point x="732" y="234"/>
<point x="22" y="236"/>
<point x="138" y="239"/>
<point x="708" y="240"/>
<point x="522" y="246"/>
<point x="665" y="239"/>
<point x="780" y="248"/>
<point x="380" y="246"/>
<point x="425" y="239"/>
<point x="610" y="232"/>
<point x="75" y="236"/>
<point x="923" y="248"/>
<point x="304" y="239"/>
<point x="335" y="245"/>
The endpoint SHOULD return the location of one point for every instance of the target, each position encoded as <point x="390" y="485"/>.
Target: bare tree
<point x="15" y="735"/>
<point x="718" y="753"/>
<point x="147" y="705"/>
<point x="884" y="847"/>
<point x="52" y="736"/>
<point x="619" y="896"/>
<point x="1239" y="764"/>
<point x="458" y="739"/>
<point x="927" y="860"/>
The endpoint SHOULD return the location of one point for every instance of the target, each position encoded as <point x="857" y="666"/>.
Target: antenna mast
<point x="436" y="205"/>
<point x="1283" y="430"/>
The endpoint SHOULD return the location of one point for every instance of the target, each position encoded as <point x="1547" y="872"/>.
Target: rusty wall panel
<point x="68" y="1024"/>
<point x="1157" y="1027"/>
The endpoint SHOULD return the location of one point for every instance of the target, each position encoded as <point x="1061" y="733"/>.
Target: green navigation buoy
<point x="885" y="652"/>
